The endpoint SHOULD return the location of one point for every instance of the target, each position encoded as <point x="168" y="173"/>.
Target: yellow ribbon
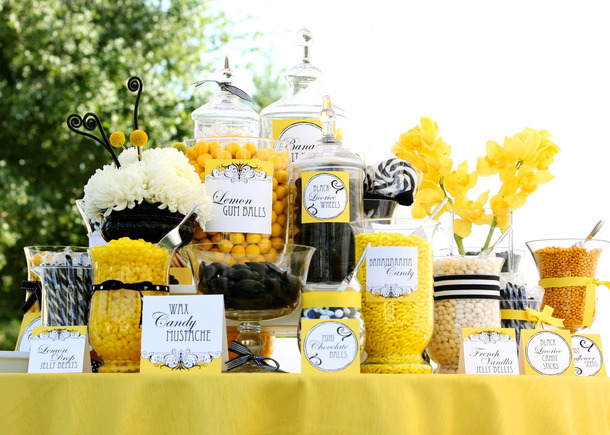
<point x="531" y="315"/>
<point x="590" y="285"/>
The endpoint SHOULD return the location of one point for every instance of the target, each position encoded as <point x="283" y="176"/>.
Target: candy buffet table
<point x="298" y="404"/>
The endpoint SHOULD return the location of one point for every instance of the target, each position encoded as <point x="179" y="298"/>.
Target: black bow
<point x="245" y="356"/>
<point x="36" y="288"/>
<point x="224" y="86"/>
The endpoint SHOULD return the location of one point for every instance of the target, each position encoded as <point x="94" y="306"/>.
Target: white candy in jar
<point x="451" y="315"/>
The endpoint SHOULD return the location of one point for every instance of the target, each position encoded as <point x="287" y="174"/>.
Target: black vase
<point x="146" y="221"/>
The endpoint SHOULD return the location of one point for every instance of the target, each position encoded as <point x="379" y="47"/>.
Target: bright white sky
<point x="483" y="70"/>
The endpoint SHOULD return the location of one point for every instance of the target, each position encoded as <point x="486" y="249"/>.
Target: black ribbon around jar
<point x="245" y="355"/>
<point x="113" y="284"/>
<point x="35" y="287"/>
<point x="466" y="287"/>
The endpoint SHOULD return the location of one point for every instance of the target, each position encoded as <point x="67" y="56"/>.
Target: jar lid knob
<point x="327" y="117"/>
<point x="226" y="72"/>
<point x="304" y="39"/>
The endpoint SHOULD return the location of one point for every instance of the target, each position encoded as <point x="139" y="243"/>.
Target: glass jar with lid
<point x="295" y="118"/>
<point x="326" y="197"/>
<point x="226" y="114"/>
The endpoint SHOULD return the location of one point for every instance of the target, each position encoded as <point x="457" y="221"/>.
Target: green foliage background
<point x="75" y="56"/>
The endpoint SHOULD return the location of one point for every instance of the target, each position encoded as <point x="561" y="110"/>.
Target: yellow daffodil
<point x="410" y="142"/>
<point x="546" y="155"/>
<point x="521" y="163"/>
<point x="501" y="208"/>
<point x="426" y="199"/>
<point x="460" y="181"/>
<point x="495" y="160"/>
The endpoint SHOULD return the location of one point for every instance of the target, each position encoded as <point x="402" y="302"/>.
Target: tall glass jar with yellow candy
<point x="124" y="270"/>
<point x="397" y="293"/>
<point x="247" y="179"/>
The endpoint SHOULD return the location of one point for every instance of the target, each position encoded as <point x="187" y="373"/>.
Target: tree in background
<point x="75" y="56"/>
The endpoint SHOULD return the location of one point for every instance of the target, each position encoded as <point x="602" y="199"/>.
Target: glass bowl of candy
<point x="256" y="286"/>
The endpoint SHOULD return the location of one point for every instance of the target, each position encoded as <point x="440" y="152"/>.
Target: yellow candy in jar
<point x="114" y="319"/>
<point x="398" y="329"/>
<point x="206" y="149"/>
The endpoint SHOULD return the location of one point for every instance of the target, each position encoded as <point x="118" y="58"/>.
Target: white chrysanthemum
<point x="174" y="183"/>
<point x="114" y="189"/>
<point x="163" y="176"/>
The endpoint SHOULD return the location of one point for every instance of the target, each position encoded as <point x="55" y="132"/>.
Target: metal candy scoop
<point x="172" y="240"/>
<point x="348" y="278"/>
<point x="487" y="252"/>
<point x="592" y="234"/>
<point x="420" y="231"/>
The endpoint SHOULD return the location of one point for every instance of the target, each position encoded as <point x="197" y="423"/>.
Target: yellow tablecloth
<point x="300" y="404"/>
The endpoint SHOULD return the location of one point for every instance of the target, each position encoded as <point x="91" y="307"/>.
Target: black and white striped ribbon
<point x="467" y="287"/>
<point x="245" y="356"/>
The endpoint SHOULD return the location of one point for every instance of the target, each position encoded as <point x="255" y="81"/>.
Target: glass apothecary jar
<point x="225" y="114"/>
<point x="466" y="295"/>
<point x="124" y="271"/>
<point x="247" y="179"/>
<point x="397" y="304"/>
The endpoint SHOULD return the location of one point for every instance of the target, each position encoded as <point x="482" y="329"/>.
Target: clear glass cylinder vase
<point x="466" y="295"/>
<point x="124" y="271"/>
<point x="396" y="281"/>
<point x="65" y="275"/>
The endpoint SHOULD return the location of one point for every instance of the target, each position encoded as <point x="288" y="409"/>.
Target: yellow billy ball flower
<point x="117" y="139"/>
<point x="138" y="138"/>
<point x="180" y="146"/>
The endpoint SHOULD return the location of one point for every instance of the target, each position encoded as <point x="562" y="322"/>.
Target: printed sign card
<point x="183" y="334"/>
<point x="301" y="134"/>
<point x="330" y="346"/>
<point x="325" y="197"/>
<point x="588" y="358"/>
<point x="489" y="352"/>
<point x="391" y="272"/>
<point x="59" y="349"/>
<point x="29" y="322"/>
<point x="546" y="352"/>
<point x="241" y="192"/>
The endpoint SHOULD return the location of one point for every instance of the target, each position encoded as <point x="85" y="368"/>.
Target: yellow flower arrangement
<point x="521" y="164"/>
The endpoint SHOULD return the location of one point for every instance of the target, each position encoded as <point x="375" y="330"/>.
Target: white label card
<point x="588" y="358"/>
<point x="391" y="271"/>
<point x="325" y="196"/>
<point x="59" y="349"/>
<point x="489" y="352"/>
<point x="546" y="352"/>
<point x="241" y="193"/>
<point x="301" y="136"/>
<point x="183" y="333"/>
<point x="330" y="346"/>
